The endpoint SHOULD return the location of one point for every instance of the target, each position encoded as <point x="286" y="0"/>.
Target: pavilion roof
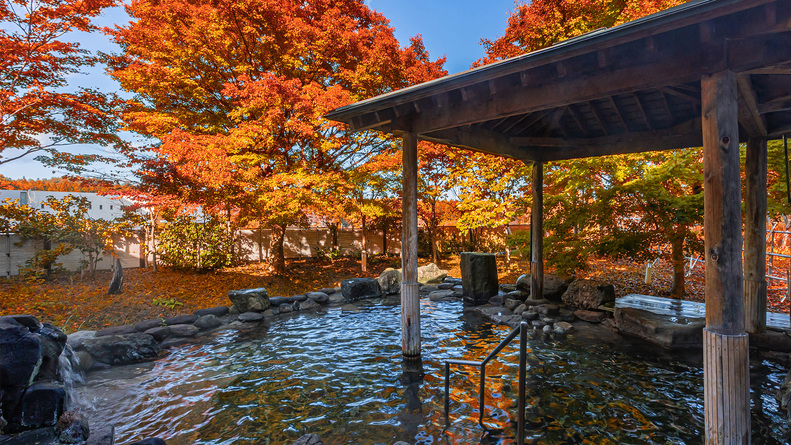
<point x="630" y="88"/>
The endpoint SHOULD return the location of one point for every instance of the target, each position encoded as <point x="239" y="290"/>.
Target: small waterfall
<point x="69" y="373"/>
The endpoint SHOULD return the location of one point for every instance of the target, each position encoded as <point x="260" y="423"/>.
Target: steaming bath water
<point x="336" y="374"/>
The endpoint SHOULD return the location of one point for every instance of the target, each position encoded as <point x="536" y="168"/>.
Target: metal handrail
<point x="522" y="332"/>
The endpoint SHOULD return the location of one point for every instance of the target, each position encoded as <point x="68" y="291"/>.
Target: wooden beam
<point x="578" y="119"/>
<point x="672" y="67"/>
<point x="755" y="166"/>
<point x="749" y="117"/>
<point x="725" y="358"/>
<point x="537" y="234"/>
<point x="642" y="111"/>
<point x="479" y="139"/>
<point x="554" y="149"/>
<point x="775" y="105"/>
<point x="619" y="113"/>
<point x="599" y="118"/>
<point x="410" y="288"/>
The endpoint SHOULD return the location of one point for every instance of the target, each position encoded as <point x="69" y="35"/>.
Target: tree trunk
<point x="364" y="252"/>
<point x="277" y="253"/>
<point x="334" y="234"/>
<point x="384" y="239"/>
<point x="507" y="247"/>
<point x="677" y="256"/>
<point x="153" y="241"/>
<point x="260" y="243"/>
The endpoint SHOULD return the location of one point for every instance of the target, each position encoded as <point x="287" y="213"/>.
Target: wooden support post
<point x="725" y="363"/>
<point x="410" y="289"/>
<point x="537" y="241"/>
<point x="755" y="237"/>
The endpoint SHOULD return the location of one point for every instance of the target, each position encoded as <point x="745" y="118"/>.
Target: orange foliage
<point x="63" y="184"/>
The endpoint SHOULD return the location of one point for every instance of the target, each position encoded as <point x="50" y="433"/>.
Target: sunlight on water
<point x="336" y="374"/>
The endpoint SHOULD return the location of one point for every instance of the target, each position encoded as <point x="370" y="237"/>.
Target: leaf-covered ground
<point x="74" y="304"/>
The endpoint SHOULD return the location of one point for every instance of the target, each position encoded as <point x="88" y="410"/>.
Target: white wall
<point x="102" y="207"/>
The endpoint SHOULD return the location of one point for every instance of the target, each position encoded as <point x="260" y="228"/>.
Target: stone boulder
<point x="122" y="349"/>
<point x="360" y="288"/>
<point x="53" y="340"/>
<point x="662" y="330"/>
<point x="206" y="322"/>
<point x="319" y="297"/>
<point x="308" y="305"/>
<point x="390" y="281"/>
<point x="20" y="358"/>
<point x="442" y="295"/>
<point x="40" y="406"/>
<point x="72" y="427"/>
<point x="588" y="294"/>
<point x="430" y="274"/>
<point x="479" y="277"/>
<point x="554" y="286"/>
<point x="590" y="316"/>
<point x="250" y="300"/>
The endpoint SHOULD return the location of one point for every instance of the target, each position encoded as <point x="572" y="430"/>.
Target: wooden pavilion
<point x="714" y="73"/>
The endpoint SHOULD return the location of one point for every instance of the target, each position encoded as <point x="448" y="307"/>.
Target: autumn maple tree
<point x="616" y="206"/>
<point x="39" y="115"/>
<point x="233" y="94"/>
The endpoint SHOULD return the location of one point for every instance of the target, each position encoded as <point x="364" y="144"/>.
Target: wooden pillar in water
<point x="755" y="236"/>
<point x="537" y="234"/>
<point x="725" y="344"/>
<point x="410" y="289"/>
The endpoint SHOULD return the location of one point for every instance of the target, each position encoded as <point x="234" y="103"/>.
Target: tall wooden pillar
<point x="537" y="234"/>
<point x="755" y="237"/>
<point x="410" y="289"/>
<point x="725" y="344"/>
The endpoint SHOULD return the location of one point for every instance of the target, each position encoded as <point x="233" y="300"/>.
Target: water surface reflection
<point x="340" y="375"/>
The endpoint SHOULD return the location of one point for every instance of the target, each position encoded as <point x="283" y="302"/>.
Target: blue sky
<point x="451" y="28"/>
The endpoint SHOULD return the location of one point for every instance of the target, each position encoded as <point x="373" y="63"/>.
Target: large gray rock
<point x="20" y="359"/>
<point x="661" y="330"/>
<point x="360" y="288"/>
<point x="588" y="294"/>
<point x="442" y="295"/>
<point x="318" y="297"/>
<point x="53" y="340"/>
<point x="479" y="276"/>
<point x="250" y="300"/>
<point x="554" y="286"/>
<point x="250" y="317"/>
<point x="40" y="406"/>
<point x="390" y="281"/>
<point x="430" y="274"/>
<point x="207" y="322"/>
<point x="148" y="324"/>
<point x="308" y="305"/>
<point x="75" y="339"/>
<point x="183" y="330"/>
<point x="122" y="349"/>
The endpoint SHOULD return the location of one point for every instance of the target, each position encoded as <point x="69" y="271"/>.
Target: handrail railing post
<point x="520" y="422"/>
<point x="522" y="332"/>
<point x="447" y="390"/>
<point x="482" y="391"/>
